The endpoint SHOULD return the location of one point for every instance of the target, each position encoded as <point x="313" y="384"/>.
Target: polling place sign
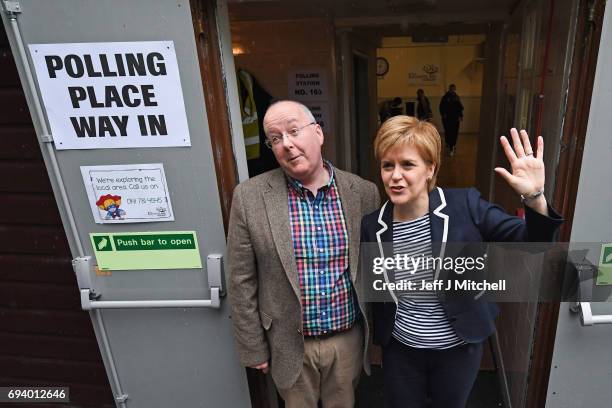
<point x="112" y="95"/>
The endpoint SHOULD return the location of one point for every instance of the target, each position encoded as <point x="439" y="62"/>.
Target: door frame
<point x="582" y="77"/>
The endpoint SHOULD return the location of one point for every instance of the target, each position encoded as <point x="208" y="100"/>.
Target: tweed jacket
<point x="264" y="287"/>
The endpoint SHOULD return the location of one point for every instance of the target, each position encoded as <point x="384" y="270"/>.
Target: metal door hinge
<point x="46" y="138"/>
<point x="12" y="7"/>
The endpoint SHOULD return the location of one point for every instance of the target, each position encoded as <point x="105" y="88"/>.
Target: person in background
<point x="451" y="110"/>
<point x="432" y="343"/>
<point x="254" y="101"/>
<point x="390" y="108"/>
<point x="293" y="250"/>
<point x="423" y="107"/>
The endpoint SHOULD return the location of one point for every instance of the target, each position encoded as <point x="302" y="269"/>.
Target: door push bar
<point x="83" y="267"/>
<point x="586" y="273"/>
<point x="587" y="318"/>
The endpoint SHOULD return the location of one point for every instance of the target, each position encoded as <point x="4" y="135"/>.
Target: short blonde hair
<point x="404" y="130"/>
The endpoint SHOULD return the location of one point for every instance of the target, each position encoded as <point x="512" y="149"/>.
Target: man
<point x="451" y="110"/>
<point x="293" y="250"/>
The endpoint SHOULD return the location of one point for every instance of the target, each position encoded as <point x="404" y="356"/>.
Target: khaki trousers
<point x="330" y="371"/>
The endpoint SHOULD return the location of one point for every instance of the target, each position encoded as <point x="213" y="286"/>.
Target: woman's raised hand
<point x="527" y="175"/>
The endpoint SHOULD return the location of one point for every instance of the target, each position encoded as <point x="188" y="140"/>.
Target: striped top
<point x="420" y="320"/>
<point x="320" y="245"/>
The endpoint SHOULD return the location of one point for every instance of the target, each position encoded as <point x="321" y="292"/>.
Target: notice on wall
<point x="308" y="85"/>
<point x="112" y="95"/>
<point x="310" y="88"/>
<point x="146" y="250"/>
<point x="120" y="194"/>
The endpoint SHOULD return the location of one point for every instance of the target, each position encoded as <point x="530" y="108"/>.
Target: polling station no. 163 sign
<point x="112" y="95"/>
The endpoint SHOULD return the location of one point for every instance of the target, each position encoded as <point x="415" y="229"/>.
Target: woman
<point x="432" y="348"/>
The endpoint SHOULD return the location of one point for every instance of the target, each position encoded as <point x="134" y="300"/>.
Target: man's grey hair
<point x="305" y="109"/>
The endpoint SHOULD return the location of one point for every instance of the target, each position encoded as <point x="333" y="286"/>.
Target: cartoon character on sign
<point x="110" y="203"/>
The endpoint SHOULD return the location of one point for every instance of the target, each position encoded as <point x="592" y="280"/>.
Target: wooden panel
<point x="45" y="337"/>
<point x="17" y="239"/>
<point x="24" y="176"/>
<point x="14" y="107"/>
<point x="40" y="209"/>
<point x="75" y="323"/>
<point x="60" y="370"/>
<point x="19" y="143"/>
<point x="59" y="347"/>
<point x="36" y="268"/>
<point x="3" y="38"/>
<point x="39" y="296"/>
<point x="8" y="69"/>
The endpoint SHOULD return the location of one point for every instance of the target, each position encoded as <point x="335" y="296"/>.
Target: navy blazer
<point x="458" y="215"/>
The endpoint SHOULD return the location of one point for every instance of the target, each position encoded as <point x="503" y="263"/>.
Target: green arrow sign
<point x="146" y="250"/>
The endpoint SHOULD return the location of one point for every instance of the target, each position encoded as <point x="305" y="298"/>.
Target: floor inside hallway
<point x="459" y="171"/>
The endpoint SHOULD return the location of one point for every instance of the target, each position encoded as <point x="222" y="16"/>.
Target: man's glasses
<point x="275" y="139"/>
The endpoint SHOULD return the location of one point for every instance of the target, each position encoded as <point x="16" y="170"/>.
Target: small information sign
<point x="604" y="275"/>
<point x="120" y="194"/>
<point x="308" y="85"/>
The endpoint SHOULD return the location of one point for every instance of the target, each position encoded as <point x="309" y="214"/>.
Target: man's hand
<point x="263" y="367"/>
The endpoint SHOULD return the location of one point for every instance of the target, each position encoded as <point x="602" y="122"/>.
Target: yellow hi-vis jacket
<point x="248" y="111"/>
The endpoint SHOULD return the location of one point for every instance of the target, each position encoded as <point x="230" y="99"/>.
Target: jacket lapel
<point x="439" y="224"/>
<point x="385" y="223"/>
<point x="438" y="227"/>
<point x="351" y="206"/>
<point x="277" y="209"/>
<point x="384" y="234"/>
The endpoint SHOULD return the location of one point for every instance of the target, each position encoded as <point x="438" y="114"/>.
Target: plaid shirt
<point x="320" y="244"/>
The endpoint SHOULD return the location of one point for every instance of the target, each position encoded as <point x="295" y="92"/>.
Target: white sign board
<point x="128" y="193"/>
<point x="112" y="95"/>
<point x="308" y="85"/>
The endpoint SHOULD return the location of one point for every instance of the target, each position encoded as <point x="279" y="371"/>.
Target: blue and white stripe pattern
<point x="420" y="320"/>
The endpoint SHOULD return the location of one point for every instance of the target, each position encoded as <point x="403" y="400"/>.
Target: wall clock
<point x="382" y="66"/>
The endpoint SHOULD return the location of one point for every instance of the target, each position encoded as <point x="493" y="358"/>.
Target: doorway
<point x="475" y="45"/>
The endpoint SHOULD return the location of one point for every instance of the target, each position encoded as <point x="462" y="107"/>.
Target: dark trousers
<point x="445" y="376"/>
<point x="451" y="131"/>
